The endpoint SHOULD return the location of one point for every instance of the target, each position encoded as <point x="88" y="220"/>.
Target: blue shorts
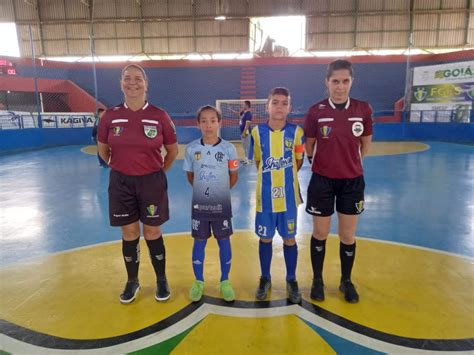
<point x="267" y="222"/>
<point x="221" y="228"/>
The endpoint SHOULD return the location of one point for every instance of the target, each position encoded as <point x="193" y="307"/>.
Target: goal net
<point x="231" y="109"/>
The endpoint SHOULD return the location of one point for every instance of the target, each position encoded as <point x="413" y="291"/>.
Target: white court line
<point x="17" y="347"/>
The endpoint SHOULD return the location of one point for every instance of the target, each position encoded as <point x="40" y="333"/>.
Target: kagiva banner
<point x="67" y="120"/>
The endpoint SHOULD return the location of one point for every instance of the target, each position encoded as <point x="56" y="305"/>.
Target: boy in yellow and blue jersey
<point x="278" y="149"/>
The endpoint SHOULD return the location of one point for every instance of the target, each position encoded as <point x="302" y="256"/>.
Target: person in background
<point x="245" y="128"/>
<point x="100" y="112"/>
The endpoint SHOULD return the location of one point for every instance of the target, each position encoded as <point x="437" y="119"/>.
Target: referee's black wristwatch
<point x="310" y="159"/>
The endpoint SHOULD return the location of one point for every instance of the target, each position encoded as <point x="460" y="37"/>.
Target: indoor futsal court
<point x="407" y="64"/>
<point x="62" y="270"/>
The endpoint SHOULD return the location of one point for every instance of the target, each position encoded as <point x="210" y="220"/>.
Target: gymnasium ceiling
<point x="166" y="27"/>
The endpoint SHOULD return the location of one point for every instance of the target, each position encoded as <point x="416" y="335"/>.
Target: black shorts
<point x="347" y="193"/>
<point x="133" y="198"/>
<point x="221" y="228"/>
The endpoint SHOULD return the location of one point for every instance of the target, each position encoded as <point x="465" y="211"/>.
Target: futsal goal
<point x="231" y="109"/>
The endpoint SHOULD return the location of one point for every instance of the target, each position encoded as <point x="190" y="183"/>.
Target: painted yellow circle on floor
<point x="404" y="291"/>
<point x="218" y="334"/>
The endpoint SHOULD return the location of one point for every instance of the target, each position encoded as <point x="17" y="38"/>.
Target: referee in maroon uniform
<point x="338" y="133"/>
<point x="130" y="139"/>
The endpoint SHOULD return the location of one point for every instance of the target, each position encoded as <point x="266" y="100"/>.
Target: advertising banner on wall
<point x="22" y="120"/>
<point x="67" y="120"/>
<point x="442" y="93"/>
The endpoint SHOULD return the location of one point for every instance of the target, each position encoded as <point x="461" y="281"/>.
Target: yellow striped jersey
<point x="278" y="189"/>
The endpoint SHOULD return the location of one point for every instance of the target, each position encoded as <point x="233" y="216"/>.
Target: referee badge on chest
<point x="150" y="131"/>
<point x="357" y="129"/>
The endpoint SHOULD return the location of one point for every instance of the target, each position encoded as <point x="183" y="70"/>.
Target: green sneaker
<point x="195" y="293"/>
<point x="227" y="291"/>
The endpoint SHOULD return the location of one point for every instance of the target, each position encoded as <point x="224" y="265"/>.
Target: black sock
<point x="158" y="257"/>
<point x="347" y="255"/>
<point x="131" y="256"/>
<point x="318" y="252"/>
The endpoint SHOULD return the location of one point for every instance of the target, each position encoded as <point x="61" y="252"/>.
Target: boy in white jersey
<point x="211" y="165"/>
<point x="277" y="148"/>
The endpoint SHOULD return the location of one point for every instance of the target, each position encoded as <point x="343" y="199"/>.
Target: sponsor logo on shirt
<point x="277" y="163"/>
<point x="208" y="166"/>
<point x="117" y="131"/>
<point x="209" y="208"/>
<point x="207" y="176"/>
<point x="325" y="130"/>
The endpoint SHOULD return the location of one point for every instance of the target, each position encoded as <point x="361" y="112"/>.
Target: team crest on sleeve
<point x="325" y="131"/>
<point x="150" y="131"/>
<point x="357" y="129"/>
<point x="197" y="155"/>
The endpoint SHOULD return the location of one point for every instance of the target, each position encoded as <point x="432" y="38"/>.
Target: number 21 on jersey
<point x="278" y="192"/>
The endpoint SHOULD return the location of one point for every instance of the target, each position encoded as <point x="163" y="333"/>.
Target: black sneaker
<point x="162" y="291"/>
<point x="263" y="288"/>
<point x="350" y="293"/>
<point x="317" y="290"/>
<point x="294" y="294"/>
<point x="130" y="292"/>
